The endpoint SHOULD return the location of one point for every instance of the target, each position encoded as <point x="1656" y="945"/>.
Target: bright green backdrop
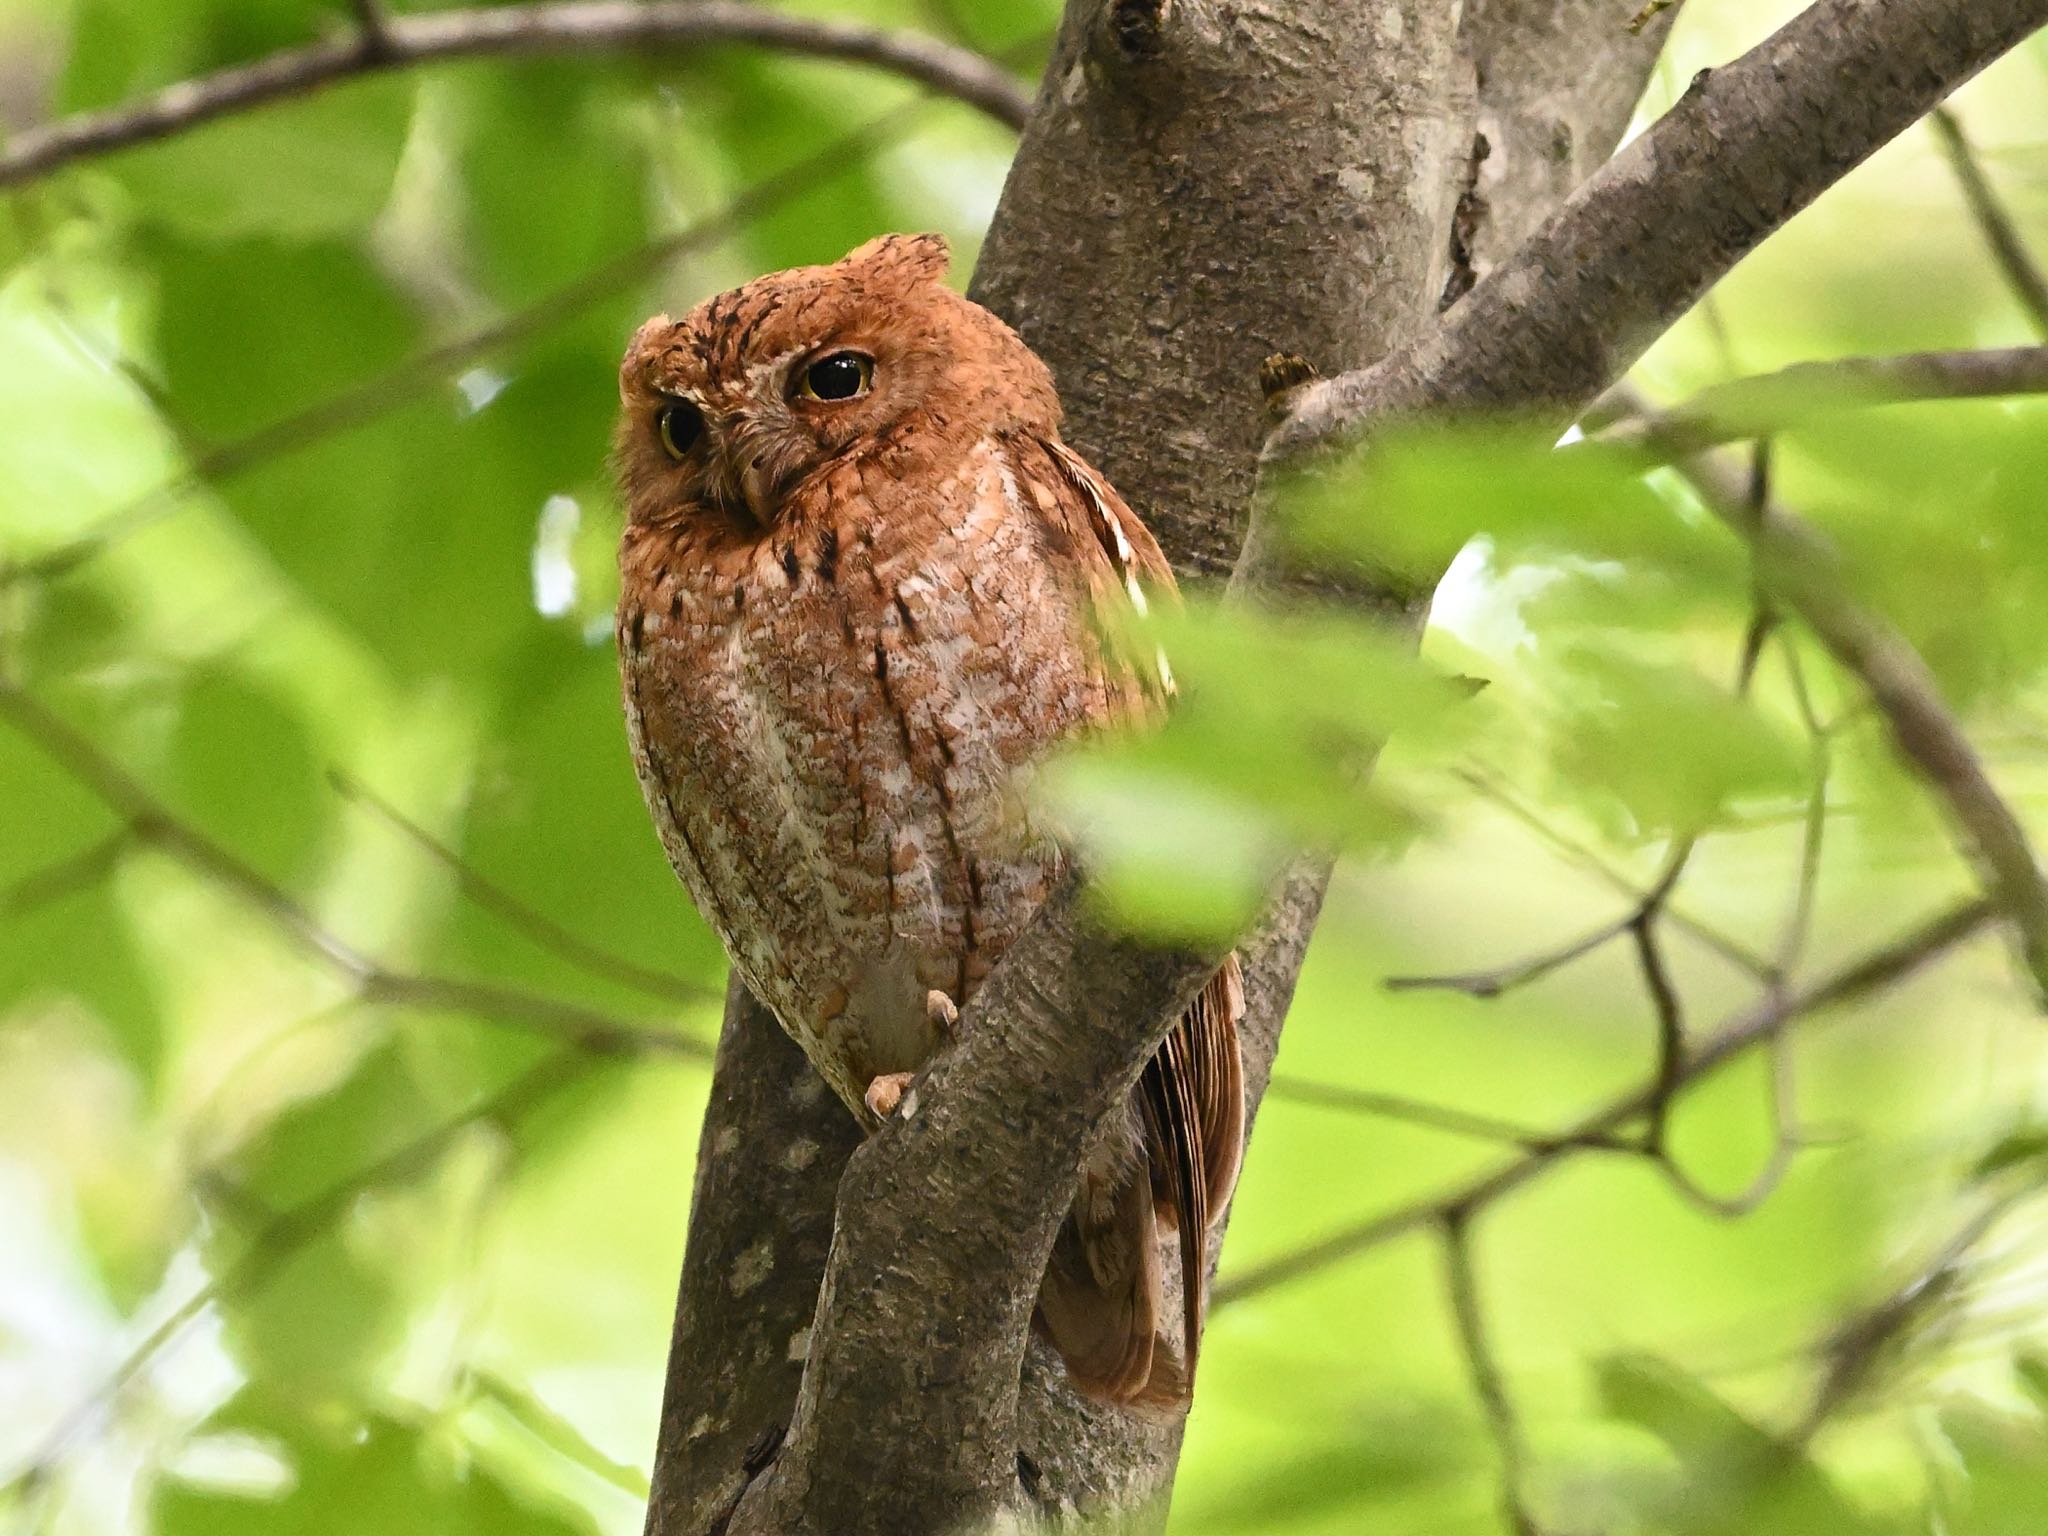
<point x="426" y="1256"/>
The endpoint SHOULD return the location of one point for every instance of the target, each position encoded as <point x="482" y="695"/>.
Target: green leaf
<point x="1735" y="1478"/>
<point x="1667" y="748"/>
<point x="252" y="330"/>
<point x="552" y="162"/>
<point x="1412" y="500"/>
<point x="376" y="1107"/>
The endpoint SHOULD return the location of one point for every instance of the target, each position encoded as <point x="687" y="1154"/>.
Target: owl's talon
<point x="886" y="1092"/>
<point x="941" y="1010"/>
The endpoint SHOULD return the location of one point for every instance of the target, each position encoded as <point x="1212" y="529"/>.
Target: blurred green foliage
<point x="281" y="1255"/>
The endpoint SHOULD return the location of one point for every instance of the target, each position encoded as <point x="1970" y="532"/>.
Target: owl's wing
<point x="1122" y="571"/>
<point x="1191" y="1095"/>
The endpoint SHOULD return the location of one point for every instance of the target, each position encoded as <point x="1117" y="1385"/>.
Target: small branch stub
<point x="1139" y="26"/>
<point x="1280" y="375"/>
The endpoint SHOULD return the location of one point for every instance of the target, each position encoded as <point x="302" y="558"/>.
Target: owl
<point x="864" y="594"/>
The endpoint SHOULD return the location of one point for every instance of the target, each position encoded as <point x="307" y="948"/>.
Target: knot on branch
<point x="1280" y="375"/>
<point x="1138" y="27"/>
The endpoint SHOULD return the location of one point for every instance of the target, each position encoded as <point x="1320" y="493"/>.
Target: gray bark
<point x="1201" y="184"/>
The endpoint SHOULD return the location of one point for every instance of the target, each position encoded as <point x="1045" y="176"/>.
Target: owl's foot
<point x="941" y="1010"/>
<point x="886" y="1092"/>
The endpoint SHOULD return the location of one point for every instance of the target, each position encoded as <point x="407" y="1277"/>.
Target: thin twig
<point x="147" y="819"/>
<point x="373" y="35"/>
<point x="1493" y="982"/>
<point x="543" y="930"/>
<point x="1669" y="1013"/>
<point x="1778" y="402"/>
<point x="72" y="873"/>
<point x="367" y="402"/>
<point x="581" y="26"/>
<point x="1754" y="1027"/>
<point x="1852" y="1351"/>
<point x="1995" y="222"/>
<point x="1435" y="1117"/>
<point x="1800" y="568"/>
<point x="1736" y="953"/>
<point x="1489" y="1384"/>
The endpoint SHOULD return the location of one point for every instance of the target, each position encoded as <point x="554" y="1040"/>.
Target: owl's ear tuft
<point x="643" y="348"/>
<point x="915" y="258"/>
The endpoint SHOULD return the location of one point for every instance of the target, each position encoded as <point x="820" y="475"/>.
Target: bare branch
<point x="1754" y="1027"/>
<point x="1633" y="249"/>
<point x="1435" y="1117"/>
<point x="535" y="924"/>
<point x="1491" y="983"/>
<point x="577" y="26"/>
<point x="371" y="25"/>
<point x="1781" y="401"/>
<point x="1727" y="947"/>
<point x="1853" y="1351"/>
<point x="147" y="819"/>
<point x="75" y="872"/>
<point x="1665" y="1005"/>
<point x="1489" y="1385"/>
<point x="1799" y="567"/>
<point x="2023" y="275"/>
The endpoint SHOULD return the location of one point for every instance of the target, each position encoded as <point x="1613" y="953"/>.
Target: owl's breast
<point x="834" y="729"/>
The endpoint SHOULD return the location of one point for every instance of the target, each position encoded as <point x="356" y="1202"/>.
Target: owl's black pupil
<point x="837" y="377"/>
<point x="680" y="424"/>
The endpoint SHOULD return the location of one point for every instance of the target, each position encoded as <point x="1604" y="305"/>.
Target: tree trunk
<point x="1201" y="184"/>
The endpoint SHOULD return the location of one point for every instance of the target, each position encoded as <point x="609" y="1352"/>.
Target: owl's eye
<point x="680" y="424"/>
<point x="842" y="376"/>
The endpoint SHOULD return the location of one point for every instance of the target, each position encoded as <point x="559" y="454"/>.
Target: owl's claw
<point x="886" y="1092"/>
<point x="941" y="1010"/>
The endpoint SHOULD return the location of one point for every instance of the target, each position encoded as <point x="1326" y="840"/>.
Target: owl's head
<point x="728" y="410"/>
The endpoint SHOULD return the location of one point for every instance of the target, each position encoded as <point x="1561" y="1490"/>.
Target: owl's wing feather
<point x="1191" y="1095"/>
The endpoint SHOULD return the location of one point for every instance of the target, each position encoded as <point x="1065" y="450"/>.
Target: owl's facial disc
<point x="750" y="441"/>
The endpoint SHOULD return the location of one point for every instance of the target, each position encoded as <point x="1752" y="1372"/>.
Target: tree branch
<point x="578" y="26"/>
<point x="1758" y="1025"/>
<point x="1779" y="402"/>
<point x="146" y="819"/>
<point x="366" y="402"/>
<point x="1799" y="567"/>
<point x="1749" y="145"/>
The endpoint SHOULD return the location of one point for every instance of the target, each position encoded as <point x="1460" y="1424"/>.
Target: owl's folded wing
<point x="1192" y="1091"/>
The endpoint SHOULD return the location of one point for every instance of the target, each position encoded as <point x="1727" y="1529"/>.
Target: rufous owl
<point x="864" y="585"/>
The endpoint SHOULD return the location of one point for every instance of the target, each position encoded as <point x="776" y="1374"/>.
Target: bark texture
<point x="1201" y="184"/>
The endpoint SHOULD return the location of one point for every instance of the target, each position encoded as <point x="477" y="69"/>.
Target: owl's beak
<point x="757" y="489"/>
<point x="745" y="479"/>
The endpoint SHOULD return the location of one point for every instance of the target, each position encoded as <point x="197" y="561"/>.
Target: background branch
<point x="146" y="819"/>
<point x="1791" y="397"/>
<point x="2016" y="263"/>
<point x="1748" y="146"/>
<point x="579" y="26"/>
<point x="1873" y="972"/>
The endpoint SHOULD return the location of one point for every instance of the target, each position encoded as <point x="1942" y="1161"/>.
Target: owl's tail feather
<point x="1103" y="1299"/>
